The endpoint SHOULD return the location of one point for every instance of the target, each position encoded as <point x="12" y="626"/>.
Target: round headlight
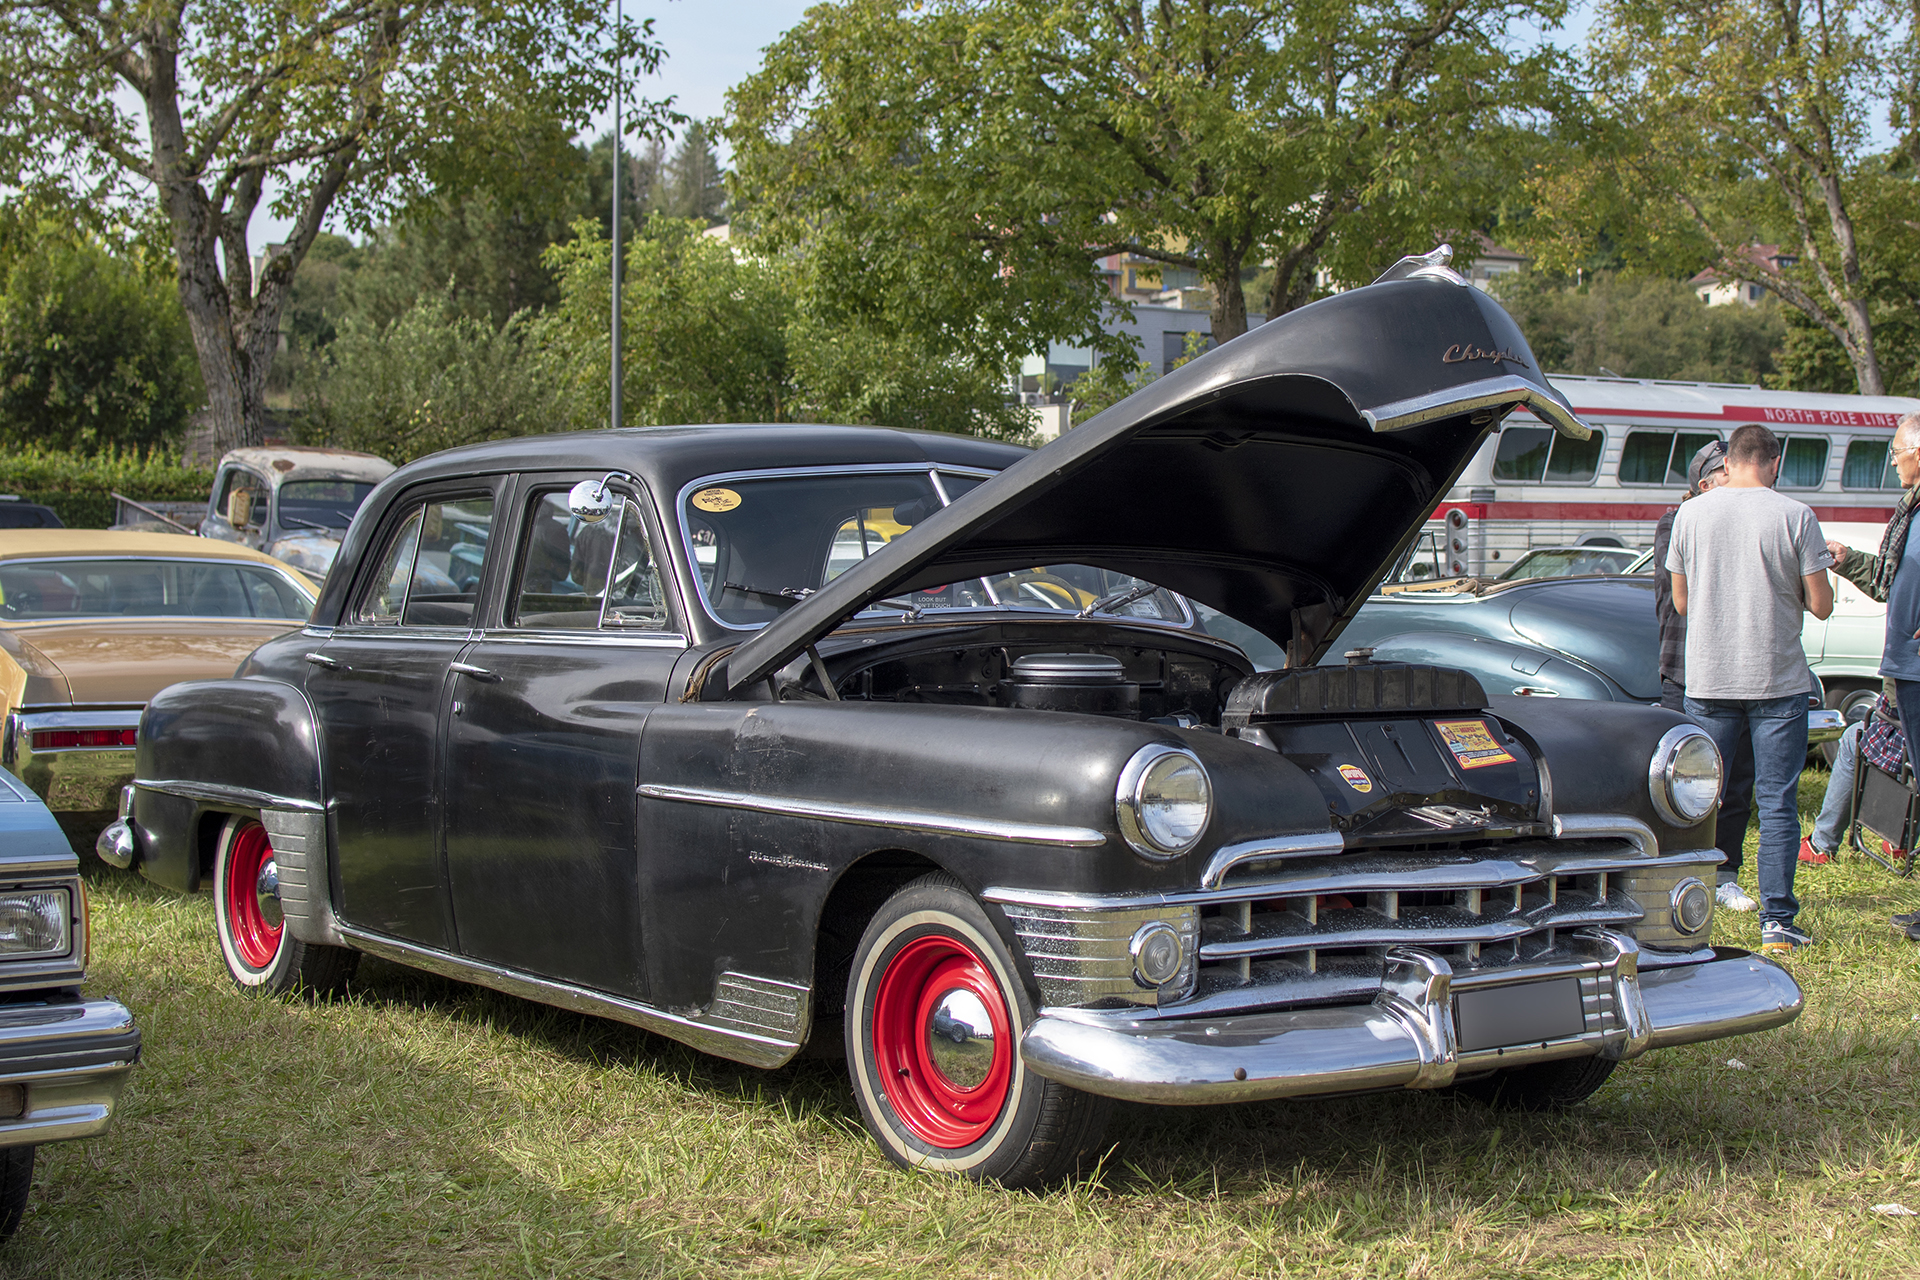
<point x="1692" y="906"/>
<point x="1157" y="954"/>
<point x="1684" y="776"/>
<point x="1163" y="801"/>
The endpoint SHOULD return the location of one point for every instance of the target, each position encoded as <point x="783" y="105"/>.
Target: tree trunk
<point x="1229" y="301"/>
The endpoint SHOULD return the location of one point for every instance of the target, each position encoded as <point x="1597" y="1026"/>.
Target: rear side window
<point x="1868" y="466"/>
<point x="429" y="571"/>
<point x="576" y="576"/>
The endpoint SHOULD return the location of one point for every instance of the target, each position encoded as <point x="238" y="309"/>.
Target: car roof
<point x="311" y="464"/>
<point x="38" y="544"/>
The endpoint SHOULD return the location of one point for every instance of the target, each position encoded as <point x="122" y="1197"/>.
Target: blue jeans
<point x="1836" y="811"/>
<point x="1736" y="791"/>
<point x="1777" y="730"/>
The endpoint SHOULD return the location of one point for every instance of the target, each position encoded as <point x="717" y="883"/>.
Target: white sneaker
<point x="1731" y="896"/>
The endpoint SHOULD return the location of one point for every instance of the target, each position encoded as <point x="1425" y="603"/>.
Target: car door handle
<point x="331" y="664"/>
<point x="468" y="669"/>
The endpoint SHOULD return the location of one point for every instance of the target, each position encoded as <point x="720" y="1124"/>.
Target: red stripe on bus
<point x="1629" y="511"/>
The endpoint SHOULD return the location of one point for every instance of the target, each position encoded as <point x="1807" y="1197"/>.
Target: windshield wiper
<point x="910" y="611"/>
<point x="1118" y="600"/>
<point x="307" y="524"/>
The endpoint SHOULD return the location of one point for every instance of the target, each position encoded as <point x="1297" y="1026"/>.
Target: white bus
<point x="1528" y="487"/>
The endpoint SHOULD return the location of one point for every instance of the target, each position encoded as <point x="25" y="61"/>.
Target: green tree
<point x="692" y="184"/>
<point x="354" y="111"/>
<point x="94" y="350"/>
<point x="954" y="169"/>
<point x="1734" y="122"/>
<point x="430" y="379"/>
<point x="1642" y="326"/>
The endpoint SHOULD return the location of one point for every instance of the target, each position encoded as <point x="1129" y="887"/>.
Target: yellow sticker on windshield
<point x="716" y="500"/>
<point x="1356" y="778"/>
<point x="1472" y="743"/>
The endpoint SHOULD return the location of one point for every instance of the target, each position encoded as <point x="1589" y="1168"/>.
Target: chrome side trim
<point x="751" y="1047"/>
<point x="764" y="1006"/>
<point x="876" y="816"/>
<point x="1230" y="856"/>
<point x="1487" y="393"/>
<point x="299" y="840"/>
<point x="127" y="719"/>
<point x="1079" y="957"/>
<point x="220" y="793"/>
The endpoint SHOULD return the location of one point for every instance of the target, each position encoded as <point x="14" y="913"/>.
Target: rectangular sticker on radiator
<point x="1472" y="743"/>
<point x="1527" y="1013"/>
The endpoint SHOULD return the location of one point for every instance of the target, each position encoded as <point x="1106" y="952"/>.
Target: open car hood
<point x="1276" y="478"/>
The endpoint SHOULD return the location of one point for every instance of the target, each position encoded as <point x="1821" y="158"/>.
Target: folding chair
<point x="1885" y="802"/>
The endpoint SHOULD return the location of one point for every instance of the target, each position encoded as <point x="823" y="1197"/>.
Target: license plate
<point x="1524" y="1014"/>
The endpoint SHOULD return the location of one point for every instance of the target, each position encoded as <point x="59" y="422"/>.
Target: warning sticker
<point x="1356" y="778"/>
<point x="716" y="500"/>
<point x="1472" y="743"/>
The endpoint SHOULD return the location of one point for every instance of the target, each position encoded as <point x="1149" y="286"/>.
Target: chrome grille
<point x="1081" y="958"/>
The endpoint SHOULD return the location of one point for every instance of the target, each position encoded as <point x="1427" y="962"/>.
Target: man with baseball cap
<point x="1707" y="470"/>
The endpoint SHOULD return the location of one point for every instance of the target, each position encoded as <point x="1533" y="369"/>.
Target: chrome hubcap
<point x="960" y="1038"/>
<point x="266" y="891"/>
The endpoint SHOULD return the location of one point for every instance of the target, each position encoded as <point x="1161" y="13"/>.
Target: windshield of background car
<point x="1562" y="562"/>
<point x="762" y="544"/>
<point x="328" y="504"/>
<point x="43" y="590"/>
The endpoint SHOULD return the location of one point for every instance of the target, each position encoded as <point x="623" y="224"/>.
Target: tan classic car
<point x="93" y="623"/>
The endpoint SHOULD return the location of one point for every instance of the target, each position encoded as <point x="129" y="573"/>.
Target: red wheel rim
<point x="256" y="941"/>
<point x="934" y="1108"/>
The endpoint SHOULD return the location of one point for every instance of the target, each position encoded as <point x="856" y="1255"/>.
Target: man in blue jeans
<point x="1746" y="563"/>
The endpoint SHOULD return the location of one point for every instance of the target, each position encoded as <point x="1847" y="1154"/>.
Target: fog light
<point x="33" y="924"/>
<point x="1157" y="954"/>
<point x="1692" y="906"/>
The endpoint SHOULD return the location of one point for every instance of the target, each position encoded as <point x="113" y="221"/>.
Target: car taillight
<point x="68" y="739"/>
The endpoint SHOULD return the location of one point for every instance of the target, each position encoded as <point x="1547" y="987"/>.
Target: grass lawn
<point x="426" y="1128"/>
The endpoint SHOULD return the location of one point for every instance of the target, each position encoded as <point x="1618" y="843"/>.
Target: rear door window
<point x="430" y="571"/>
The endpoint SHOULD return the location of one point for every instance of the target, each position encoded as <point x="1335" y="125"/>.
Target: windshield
<point x="763" y="544"/>
<point x="38" y="590"/>
<point x="1562" y="562"/>
<point x="326" y="504"/>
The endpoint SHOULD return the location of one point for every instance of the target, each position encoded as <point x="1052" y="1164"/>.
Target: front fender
<point x="1501" y="666"/>
<point x="219" y="746"/>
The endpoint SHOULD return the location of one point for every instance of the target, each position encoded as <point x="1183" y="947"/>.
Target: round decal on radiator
<point x="1356" y="778"/>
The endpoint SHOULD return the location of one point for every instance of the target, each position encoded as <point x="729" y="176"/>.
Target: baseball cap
<point x="1711" y="458"/>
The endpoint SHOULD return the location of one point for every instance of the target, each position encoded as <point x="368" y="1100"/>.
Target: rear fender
<point x="211" y="748"/>
<point x="1501" y="666"/>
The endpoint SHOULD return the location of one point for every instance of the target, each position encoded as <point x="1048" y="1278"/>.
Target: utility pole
<point x="619" y="16"/>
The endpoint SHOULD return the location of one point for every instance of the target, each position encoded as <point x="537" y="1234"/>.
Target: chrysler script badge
<point x="1461" y="352"/>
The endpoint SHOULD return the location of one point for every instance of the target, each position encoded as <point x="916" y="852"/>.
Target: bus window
<point x="1803" y="465"/>
<point x="1531" y="454"/>
<point x="1660" y="457"/>
<point x="1868" y="466"/>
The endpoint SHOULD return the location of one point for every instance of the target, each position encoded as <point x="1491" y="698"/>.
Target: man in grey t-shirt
<point x="1746" y="563"/>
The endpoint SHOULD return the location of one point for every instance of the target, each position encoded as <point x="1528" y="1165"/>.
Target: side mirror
<point x="240" y="508"/>
<point x="591" y="501"/>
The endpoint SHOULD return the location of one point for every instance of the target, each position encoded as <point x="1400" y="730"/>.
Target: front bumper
<point x="73" y="1059"/>
<point x="1404" y="1039"/>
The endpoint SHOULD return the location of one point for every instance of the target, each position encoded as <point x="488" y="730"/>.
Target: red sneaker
<point x="1893" y="852"/>
<point x="1808" y="853"/>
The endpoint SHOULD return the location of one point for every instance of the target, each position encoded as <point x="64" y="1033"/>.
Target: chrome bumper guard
<point x="1406" y="1038"/>
<point x="73" y="1060"/>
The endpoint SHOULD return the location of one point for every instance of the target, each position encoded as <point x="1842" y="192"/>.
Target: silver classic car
<point x="63" y="1058"/>
<point x="292" y="503"/>
<point x="909" y="747"/>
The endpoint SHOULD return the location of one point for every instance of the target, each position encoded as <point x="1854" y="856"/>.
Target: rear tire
<point x="261" y="954"/>
<point x="1544" y="1086"/>
<point x="16" y="1180"/>
<point x="931" y="974"/>
<point x="1852" y="699"/>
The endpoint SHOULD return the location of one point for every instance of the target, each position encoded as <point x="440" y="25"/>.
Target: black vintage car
<point x="917" y="745"/>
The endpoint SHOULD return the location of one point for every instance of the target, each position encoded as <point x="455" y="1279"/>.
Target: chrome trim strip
<point x="1589" y="826"/>
<point x="612" y="637"/>
<point x="19" y="874"/>
<point x="1487" y="393"/>
<point x="738" y="1045"/>
<point x="220" y="793"/>
<point x="1230" y="856"/>
<point x="129" y="718"/>
<point x="876" y="816"/>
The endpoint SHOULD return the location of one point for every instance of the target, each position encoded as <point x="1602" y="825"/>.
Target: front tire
<point x="16" y="1180"/>
<point x="934" y="1015"/>
<point x="261" y="954"/>
<point x="1544" y="1086"/>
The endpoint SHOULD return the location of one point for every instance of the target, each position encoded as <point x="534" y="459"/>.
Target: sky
<point x="714" y="44"/>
